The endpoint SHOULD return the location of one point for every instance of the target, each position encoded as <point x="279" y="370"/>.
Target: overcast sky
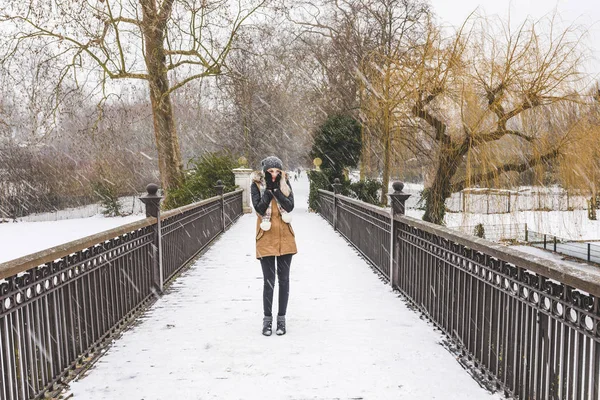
<point x="585" y="13"/>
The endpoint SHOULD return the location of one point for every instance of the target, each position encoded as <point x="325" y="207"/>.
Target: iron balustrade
<point x="189" y="228"/>
<point x="529" y="325"/>
<point x="232" y="206"/>
<point x="59" y="306"/>
<point x="326" y="206"/>
<point x="373" y="237"/>
<point x="186" y="230"/>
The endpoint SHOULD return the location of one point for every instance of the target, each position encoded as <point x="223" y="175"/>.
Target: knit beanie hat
<point x="271" y="162"/>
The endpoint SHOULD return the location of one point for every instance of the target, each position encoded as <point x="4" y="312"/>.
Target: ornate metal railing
<point x="530" y="326"/>
<point x="326" y="206"/>
<point x="59" y="305"/>
<point x="373" y="239"/>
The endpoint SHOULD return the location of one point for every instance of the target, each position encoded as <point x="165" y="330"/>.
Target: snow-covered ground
<point x="19" y="239"/>
<point x="558" y="258"/>
<point x="573" y="225"/>
<point x="349" y="335"/>
<point x="129" y="205"/>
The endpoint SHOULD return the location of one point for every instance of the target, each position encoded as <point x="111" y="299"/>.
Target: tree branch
<point x="494" y="97"/>
<point x="499" y="134"/>
<point x="192" y="53"/>
<point x="125" y="20"/>
<point x="509" y="167"/>
<point x="82" y="47"/>
<point x="419" y="111"/>
<point x="165" y="12"/>
<point x="208" y="72"/>
<point x="117" y="36"/>
<point x="519" y="109"/>
<point x="215" y="67"/>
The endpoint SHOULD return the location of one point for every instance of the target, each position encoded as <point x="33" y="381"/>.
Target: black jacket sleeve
<point x="260" y="203"/>
<point x="287" y="203"/>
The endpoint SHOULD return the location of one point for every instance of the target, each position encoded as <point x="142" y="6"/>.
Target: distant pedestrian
<point x="295" y="177"/>
<point x="273" y="200"/>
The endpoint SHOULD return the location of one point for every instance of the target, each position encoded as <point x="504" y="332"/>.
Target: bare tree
<point x="370" y="39"/>
<point x="166" y="44"/>
<point x="270" y="88"/>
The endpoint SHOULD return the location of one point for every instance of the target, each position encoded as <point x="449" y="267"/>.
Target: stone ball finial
<point x="398" y="186"/>
<point x="152" y="189"/>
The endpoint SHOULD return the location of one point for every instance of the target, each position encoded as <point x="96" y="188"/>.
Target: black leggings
<point x="283" y="274"/>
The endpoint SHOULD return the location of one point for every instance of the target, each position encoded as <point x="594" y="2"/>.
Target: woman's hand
<point x="272" y="182"/>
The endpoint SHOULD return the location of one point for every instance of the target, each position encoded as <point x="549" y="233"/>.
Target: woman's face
<point x="274" y="172"/>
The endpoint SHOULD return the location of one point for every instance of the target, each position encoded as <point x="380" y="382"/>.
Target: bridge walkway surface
<point x="350" y="336"/>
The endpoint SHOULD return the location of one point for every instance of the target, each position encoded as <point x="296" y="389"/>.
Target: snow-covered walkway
<point x="349" y="335"/>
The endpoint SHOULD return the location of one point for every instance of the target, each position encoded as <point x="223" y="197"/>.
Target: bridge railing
<point x="58" y="306"/>
<point x="529" y="325"/>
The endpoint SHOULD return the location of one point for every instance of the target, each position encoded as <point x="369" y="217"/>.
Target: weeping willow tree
<point x="579" y="170"/>
<point x="489" y="100"/>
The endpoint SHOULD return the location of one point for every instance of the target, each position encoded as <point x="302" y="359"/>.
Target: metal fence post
<point x="589" y="249"/>
<point x="397" y="200"/>
<point x="219" y="187"/>
<point x="337" y="187"/>
<point x="152" y="202"/>
<point x="526" y="234"/>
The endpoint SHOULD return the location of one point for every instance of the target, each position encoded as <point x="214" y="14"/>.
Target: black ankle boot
<point x="267" y="329"/>
<point x="280" y="325"/>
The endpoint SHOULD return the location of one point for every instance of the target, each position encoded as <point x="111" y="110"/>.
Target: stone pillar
<point x="242" y="180"/>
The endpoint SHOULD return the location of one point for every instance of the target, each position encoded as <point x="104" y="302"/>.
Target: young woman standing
<point x="273" y="200"/>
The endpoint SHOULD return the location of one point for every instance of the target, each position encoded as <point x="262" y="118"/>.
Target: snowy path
<point x="349" y="336"/>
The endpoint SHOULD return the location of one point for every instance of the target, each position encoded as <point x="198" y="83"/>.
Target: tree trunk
<point x="387" y="135"/>
<point x="366" y="170"/>
<point x="386" y="162"/>
<point x="441" y="188"/>
<point x="363" y="152"/>
<point x="169" y="156"/>
<point x="365" y="167"/>
<point x="167" y="144"/>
